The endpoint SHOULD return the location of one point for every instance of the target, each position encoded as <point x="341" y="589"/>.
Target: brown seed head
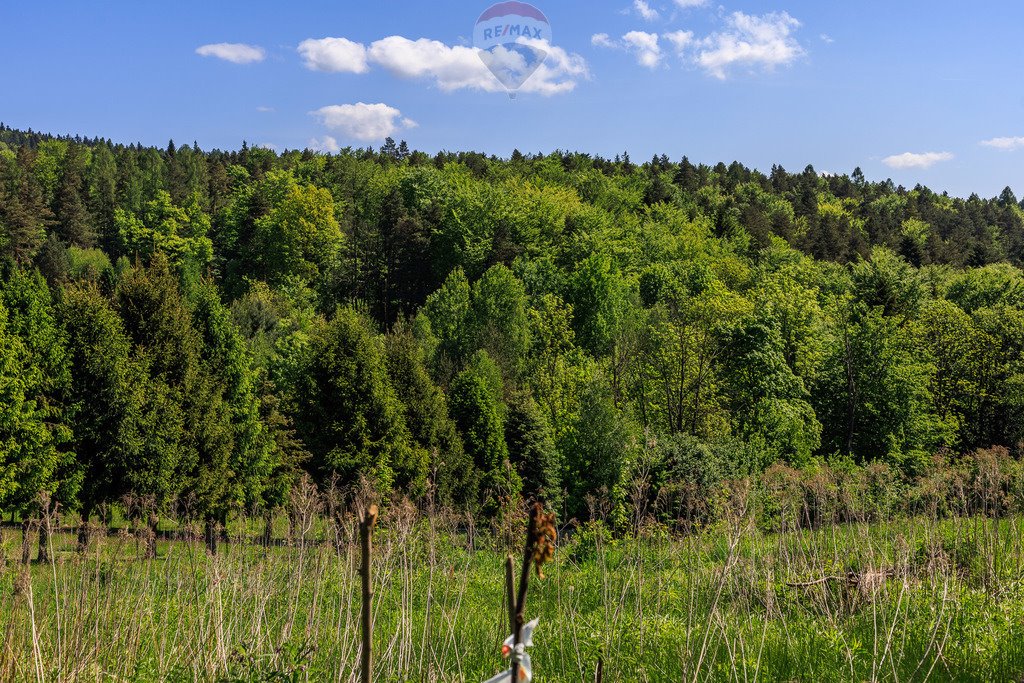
<point x="544" y="541"/>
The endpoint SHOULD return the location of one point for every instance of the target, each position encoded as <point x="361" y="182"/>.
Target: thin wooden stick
<point x="851" y="578"/>
<point x="510" y="592"/>
<point x="818" y="582"/>
<point x="366" y="524"/>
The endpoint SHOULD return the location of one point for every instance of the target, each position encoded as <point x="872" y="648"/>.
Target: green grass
<point x="934" y="601"/>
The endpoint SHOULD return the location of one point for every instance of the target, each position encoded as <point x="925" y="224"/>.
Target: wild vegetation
<point x="708" y="372"/>
<point x="802" y="576"/>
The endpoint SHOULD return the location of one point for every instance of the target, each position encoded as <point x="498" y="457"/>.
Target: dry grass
<point x="905" y="600"/>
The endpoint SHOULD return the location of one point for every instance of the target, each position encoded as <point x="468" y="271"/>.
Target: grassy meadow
<point x="906" y="600"/>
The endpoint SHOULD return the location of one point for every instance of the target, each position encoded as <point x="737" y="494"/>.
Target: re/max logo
<point x="510" y="30"/>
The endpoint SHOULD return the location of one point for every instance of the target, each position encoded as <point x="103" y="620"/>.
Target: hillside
<point x="209" y="327"/>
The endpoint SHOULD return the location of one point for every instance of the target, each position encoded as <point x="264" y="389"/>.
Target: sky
<point x="919" y="92"/>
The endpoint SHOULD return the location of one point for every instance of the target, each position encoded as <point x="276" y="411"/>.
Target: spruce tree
<point x="73" y="223"/>
<point x="187" y="412"/>
<point x="24" y="215"/>
<point x="48" y="477"/>
<point x="107" y="396"/>
<point x="479" y="413"/>
<point x="454" y="475"/>
<point x="347" y="412"/>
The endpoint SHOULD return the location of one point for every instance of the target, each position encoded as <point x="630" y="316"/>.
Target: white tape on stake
<point x="517" y="654"/>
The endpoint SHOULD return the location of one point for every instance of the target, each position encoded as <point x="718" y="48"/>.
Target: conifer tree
<point x="24" y="215"/>
<point x="479" y="413"/>
<point x="347" y="412"/>
<point x="107" y="397"/>
<point x="73" y="223"/>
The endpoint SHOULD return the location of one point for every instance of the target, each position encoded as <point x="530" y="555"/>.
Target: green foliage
<point x="596" y="450"/>
<point x="475" y="328"/>
<point x="597" y="295"/>
<point x="454" y="474"/>
<point x="986" y="287"/>
<point x="179" y="232"/>
<point x="348" y="414"/>
<point x="230" y="361"/>
<point x="889" y="282"/>
<point x="769" y="400"/>
<point x="299" y="235"/>
<point x="188" y="422"/>
<point x="873" y="392"/>
<point x="28" y="453"/>
<point x="477" y="409"/>
<point x="73" y="222"/>
<point x="24" y="213"/>
<point x="107" y="394"/>
<point x="88" y="264"/>
<point x="499" y="322"/>
<point x="532" y="451"/>
<point x="44" y="376"/>
<point x="446" y="329"/>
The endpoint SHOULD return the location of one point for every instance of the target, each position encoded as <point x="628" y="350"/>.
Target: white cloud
<point x="680" y="39"/>
<point x="267" y="145"/>
<point x="827" y="39"/>
<point x="558" y="73"/>
<point x="916" y="160"/>
<point x="645" y="10"/>
<point x="334" y="54"/>
<point x="1005" y="144"/>
<point x="363" y="121"/>
<point x="691" y="3"/>
<point x="645" y="47"/>
<point x="756" y="42"/>
<point x="764" y="41"/>
<point x="324" y="144"/>
<point x="263" y="109"/>
<point x="449" y="67"/>
<point x="236" y="53"/>
<point x="457" y="67"/>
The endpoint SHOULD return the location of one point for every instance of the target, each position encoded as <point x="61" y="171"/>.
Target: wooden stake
<point x="366" y="525"/>
<point x="211" y="535"/>
<point x="26" y="542"/>
<point x="524" y="579"/>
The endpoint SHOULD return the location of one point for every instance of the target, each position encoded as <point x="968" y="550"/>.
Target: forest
<point x="205" y="331"/>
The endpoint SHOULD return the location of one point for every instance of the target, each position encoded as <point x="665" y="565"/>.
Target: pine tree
<point x="27" y="448"/>
<point x="48" y="474"/>
<point x="532" y="450"/>
<point x="227" y="358"/>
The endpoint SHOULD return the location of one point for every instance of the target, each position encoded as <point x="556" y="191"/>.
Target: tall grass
<point x="788" y="580"/>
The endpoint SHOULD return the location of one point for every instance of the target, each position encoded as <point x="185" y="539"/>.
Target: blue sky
<point x="919" y="92"/>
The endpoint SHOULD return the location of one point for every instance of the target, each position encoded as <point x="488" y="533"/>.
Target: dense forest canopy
<point x="201" y="329"/>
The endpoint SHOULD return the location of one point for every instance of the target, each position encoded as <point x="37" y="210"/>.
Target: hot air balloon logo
<point x="513" y="40"/>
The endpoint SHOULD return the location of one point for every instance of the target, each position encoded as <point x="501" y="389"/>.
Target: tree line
<point x="202" y="329"/>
